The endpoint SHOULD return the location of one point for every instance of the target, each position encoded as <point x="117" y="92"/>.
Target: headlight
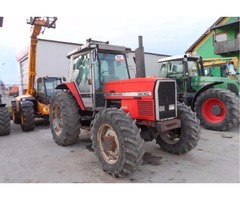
<point x="23" y="99"/>
<point x="171" y="107"/>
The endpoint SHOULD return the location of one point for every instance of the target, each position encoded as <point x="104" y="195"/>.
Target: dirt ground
<point x="33" y="160"/>
<point x="33" y="166"/>
<point x="34" y="157"/>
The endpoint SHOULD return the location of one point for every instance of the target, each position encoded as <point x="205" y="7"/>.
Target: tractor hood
<point x="131" y="88"/>
<point x="200" y="81"/>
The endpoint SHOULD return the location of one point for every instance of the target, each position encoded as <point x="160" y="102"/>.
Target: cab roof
<point x="99" y="45"/>
<point x="178" y="57"/>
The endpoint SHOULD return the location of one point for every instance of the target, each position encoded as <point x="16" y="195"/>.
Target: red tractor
<point x="120" y="112"/>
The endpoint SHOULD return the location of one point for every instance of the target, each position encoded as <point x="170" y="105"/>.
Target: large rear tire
<point x="218" y="109"/>
<point x="116" y="141"/>
<point x="27" y="118"/>
<point x="5" y="127"/>
<point x="184" y="139"/>
<point x="64" y="118"/>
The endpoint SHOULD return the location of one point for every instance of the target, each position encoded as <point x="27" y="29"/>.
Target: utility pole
<point x="1" y="21"/>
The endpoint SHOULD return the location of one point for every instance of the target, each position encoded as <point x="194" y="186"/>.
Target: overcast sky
<point x="167" y="27"/>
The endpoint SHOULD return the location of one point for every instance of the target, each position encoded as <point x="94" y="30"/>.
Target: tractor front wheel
<point x="116" y="141"/>
<point x="184" y="139"/>
<point x="64" y="118"/>
<point x="27" y="118"/>
<point x="217" y="109"/>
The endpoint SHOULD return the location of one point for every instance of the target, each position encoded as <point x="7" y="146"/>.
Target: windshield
<point x="171" y="68"/>
<point x="193" y="68"/>
<point x="51" y="84"/>
<point x="110" y="67"/>
<point x="176" y="68"/>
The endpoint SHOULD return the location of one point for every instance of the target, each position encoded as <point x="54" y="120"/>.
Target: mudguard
<point x="204" y="88"/>
<point x="73" y="89"/>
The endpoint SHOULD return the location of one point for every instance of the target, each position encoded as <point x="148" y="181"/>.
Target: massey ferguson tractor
<point x="120" y="112"/>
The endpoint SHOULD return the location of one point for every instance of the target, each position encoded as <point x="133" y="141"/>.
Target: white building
<point x="51" y="60"/>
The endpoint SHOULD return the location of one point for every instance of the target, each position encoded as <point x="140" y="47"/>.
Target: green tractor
<point x="214" y="99"/>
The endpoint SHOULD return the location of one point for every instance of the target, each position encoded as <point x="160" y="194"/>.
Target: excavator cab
<point x="46" y="87"/>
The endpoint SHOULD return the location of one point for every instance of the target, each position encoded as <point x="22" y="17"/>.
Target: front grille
<point x="166" y="97"/>
<point x="145" y="108"/>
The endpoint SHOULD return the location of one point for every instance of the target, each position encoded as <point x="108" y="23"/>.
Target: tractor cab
<point x="94" y="64"/>
<point x="46" y="87"/>
<point x="191" y="76"/>
<point x="175" y="68"/>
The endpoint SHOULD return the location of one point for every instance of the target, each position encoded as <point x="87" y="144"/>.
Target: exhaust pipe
<point x="139" y="59"/>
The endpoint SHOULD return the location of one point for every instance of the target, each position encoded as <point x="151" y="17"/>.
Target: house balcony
<point x="226" y="47"/>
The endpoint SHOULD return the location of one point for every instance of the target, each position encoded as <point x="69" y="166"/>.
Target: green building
<point x="221" y="40"/>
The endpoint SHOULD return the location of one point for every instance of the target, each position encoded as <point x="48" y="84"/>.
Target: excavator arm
<point x="217" y="61"/>
<point x="37" y="24"/>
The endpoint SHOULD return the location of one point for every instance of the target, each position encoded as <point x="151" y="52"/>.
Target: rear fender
<point x="204" y="88"/>
<point x="73" y="89"/>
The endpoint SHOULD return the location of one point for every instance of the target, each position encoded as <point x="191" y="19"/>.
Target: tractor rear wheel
<point x="184" y="139"/>
<point x="4" y="121"/>
<point x="64" y="118"/>
<point x="27" y="118"/>
<point x="218" y="109"/>
<point x="116" y="141"/>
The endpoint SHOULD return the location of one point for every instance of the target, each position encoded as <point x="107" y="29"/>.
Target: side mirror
<point x="201" y="61"/>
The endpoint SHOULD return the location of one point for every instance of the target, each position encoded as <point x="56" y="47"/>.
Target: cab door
<point x="81" y="75"/>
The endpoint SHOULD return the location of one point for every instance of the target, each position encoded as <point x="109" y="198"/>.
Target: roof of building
<point x="24" y="51"/>
<point x="226" y="25"/>
<point x="57" y="41"/>
<point x="203" y="35"/>
<point x="63" y="42"/>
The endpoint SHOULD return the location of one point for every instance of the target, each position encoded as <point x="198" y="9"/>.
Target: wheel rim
<point x="57" y="121"/>
<point x="214" y="110"/>
<point x="108" y="144"/>
<point x="171" y="137"/>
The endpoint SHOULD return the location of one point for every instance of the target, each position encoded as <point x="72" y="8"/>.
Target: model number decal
<point x="144" y="94"/>
<point x="130" y="94"/>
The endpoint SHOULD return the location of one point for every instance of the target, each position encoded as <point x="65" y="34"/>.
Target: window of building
<point x="220" y="37"/>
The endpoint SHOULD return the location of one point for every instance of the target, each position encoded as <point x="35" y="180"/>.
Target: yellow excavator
<point x="222" y="67"/>
<point x="35" y="102"/>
